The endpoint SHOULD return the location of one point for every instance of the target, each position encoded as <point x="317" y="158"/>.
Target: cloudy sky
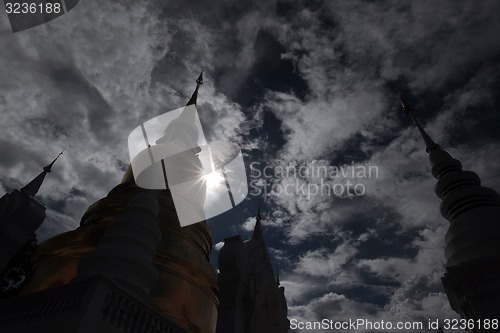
<point x="308" y="85"/>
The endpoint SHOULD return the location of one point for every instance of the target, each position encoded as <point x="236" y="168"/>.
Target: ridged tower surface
<point x="186" y="292"/>
<point x="472" y="278"/>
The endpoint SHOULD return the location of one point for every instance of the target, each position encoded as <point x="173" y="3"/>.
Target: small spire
<point x="199" y="82"/>
<point x="258" y="216"/>
<point x="34" y="186"/>
<point x="257" y="231"/>
<point x="277" y="274"/>
<point x="429" y="143"/>
<point x="48" y="168"/>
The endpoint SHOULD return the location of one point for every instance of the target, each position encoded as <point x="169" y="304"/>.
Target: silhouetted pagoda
<point x="472" y="278"/>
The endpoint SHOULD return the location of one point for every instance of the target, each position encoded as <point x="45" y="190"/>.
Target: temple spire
<point x="471" y="250"/>
<point x="258" y="217"/>
<point x="257" y="231"/>
<point x="199" y="82"/>
<point x="429" y="143"/>
<point x="277" y="274"/>
<point x="34" y="186"/>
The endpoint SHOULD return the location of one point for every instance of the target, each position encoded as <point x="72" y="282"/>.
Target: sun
<point x="214" y="180"/>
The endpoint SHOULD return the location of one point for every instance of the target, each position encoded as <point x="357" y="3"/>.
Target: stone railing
<point x="92" y="305"/>
<point x="39" y="306"/>
<point x="130" y="315"/>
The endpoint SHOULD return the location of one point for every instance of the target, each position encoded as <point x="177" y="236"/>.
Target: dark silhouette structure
<point x="251" y="299"/>
<point x="131" y="267"/>
<point x="20" y="216"/>
<point x="472" y="278"/>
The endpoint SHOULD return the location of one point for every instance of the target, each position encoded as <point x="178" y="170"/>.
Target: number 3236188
<point x="32" y="8"/>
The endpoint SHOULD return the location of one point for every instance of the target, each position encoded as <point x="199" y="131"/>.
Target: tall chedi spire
<point x="186" y="291"/>
<point x="194" y="96"/>
<point x="33" y="186"/>
<point x="473" y="239"/>
<point x="20" y="216"/>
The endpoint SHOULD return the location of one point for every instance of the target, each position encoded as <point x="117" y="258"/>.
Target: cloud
<point x="66" y="92"/>
<point x="429" y="45"/>
<point x="218" y="246"/>
<point x="322" y="263"/>
<point x="249" y="224"/>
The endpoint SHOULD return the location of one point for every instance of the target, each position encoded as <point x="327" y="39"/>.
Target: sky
<point x="301" y="86"/>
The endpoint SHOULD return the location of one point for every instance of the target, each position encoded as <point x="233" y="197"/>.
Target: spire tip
<point x="406" y="107"/>
<point x="258" y="216"/>
<point x="257" y="231"/>
<point x="429" y="143"/>
<point x="278" y="274"/>
<point x="199" y="80"/>
<point x="33" y="187"/>
<point x="48" y="168"/>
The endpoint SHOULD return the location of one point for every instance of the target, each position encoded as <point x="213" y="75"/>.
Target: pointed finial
<point x="406" y="107"/>
<point x="278" y="274"/>
<point x="429" y="143"/>
<point x="33" y="186"/>
<point x="48" y="168"/>
<point x="199" y="81"/>
<point x="258" y="216"/>
<point x="257" y="231"/>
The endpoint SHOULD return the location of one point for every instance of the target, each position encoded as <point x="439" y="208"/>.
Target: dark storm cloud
<point x="76" y="92"/>
<point x="429" y="44"/>
<point x="75" y="83"/>
<point x="10" y="155"/>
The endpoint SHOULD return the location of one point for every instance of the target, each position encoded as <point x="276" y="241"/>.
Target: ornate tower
<point x="126" y="251"/>
<point x="20" y="216"/>
<point x="472" y="278"/>
<point x="186" y="292"/>
<point x="251" y="300"/>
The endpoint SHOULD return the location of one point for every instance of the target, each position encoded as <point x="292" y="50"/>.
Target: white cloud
<point x="249" y="224"/>
<point x="218" y="246"/>
<point x="322" y="263"/>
